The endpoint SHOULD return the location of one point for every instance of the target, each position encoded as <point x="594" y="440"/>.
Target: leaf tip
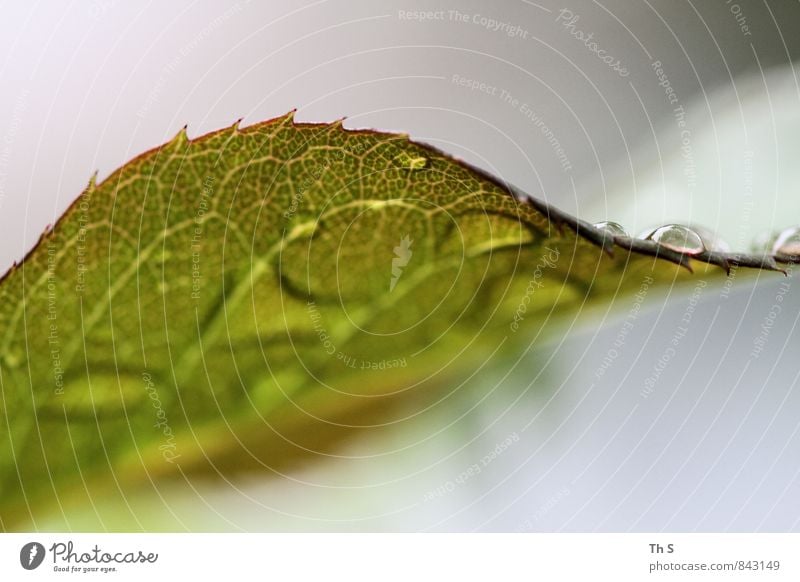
<point x="48" y="232"/>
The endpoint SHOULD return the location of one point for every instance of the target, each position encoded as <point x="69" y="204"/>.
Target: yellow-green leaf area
<point x="250" y="297"/>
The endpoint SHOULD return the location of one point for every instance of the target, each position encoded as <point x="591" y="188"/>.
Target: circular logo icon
<point x="31" y="555"/>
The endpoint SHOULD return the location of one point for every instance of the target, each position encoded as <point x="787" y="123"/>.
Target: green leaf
<point x="249" y="298"/>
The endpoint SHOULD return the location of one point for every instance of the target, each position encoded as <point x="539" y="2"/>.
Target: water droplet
<point x="711" y="239"/>
<point x="410" y="162"/>
<point x="678" y="238"/>
<point x="613" y="228"/>
<point x="762" y="243"/>
<point x="788" y="242"/>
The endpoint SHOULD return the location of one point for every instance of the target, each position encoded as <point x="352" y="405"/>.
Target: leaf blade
<point x="220" y="303"/>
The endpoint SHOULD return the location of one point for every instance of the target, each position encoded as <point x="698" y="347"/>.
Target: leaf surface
<point x="251" y="297"/>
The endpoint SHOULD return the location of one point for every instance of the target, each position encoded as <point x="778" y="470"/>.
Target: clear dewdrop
<point x="612" y="228"/>
<point x="711" y="240"/>
<point x="678" y="238"/>
<point x="788" y="242"/>
<point x="763" y="242"/>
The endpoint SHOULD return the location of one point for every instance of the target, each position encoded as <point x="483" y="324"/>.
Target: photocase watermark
<point x="744" y="219"/>
<point x="6" y="147"/>
<point x="543" y="509"/>
<point x="353" y="147"/>
<point x="314" y="177"/>
<point x="547" y="261"/>
<point x="53" y="341"/>
<point x="622" y="335"/>
<point x="402" y="255"/>
<point x="538" y="121"/>
<point x="474" y="84"/>
<point x="476" y="19"/>
<point x="99" y="8"/>
<point x="741" y="19"/>
<point x="422" y="15"/>
<point x="169" y="449"/>
<point x="197" y="235"/>
<point x="679" y="115"/>
<point x="319" y="328"/>
<point x="31" y="555"/>
<point x="671" y="350"/>
<point x="769" y="320"/>
<point x="473" y="470"/>
<point x="172" y="66"/>
<point x="526" y="110"/>
<point x="362" y="364"/>
<point x="664" y="82"/>
<point x="345" y="359"/>
<point x="66" y="558"/>
<point x="81" y="267"/>
<point x="568" y="20"/>
<point x="686" y="149"/>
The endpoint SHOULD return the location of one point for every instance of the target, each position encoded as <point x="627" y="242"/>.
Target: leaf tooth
<point x="725" y="264"/>
<point x="46" y="233"/>
<point x="235" y="128"/>
<point x="681" y="259"/>
<point x="338" y="124"/>
<point x="396" y="139"/>
<point x="686" y="261"/>
<point x="728" y="260"/>
<point x="92" y="184"/>
<point x="182" y="137"/>
<point x="288" y="119"/>
<point x="771" y="264"/>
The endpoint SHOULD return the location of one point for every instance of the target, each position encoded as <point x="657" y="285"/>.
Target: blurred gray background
<point x="695" y="120"/>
